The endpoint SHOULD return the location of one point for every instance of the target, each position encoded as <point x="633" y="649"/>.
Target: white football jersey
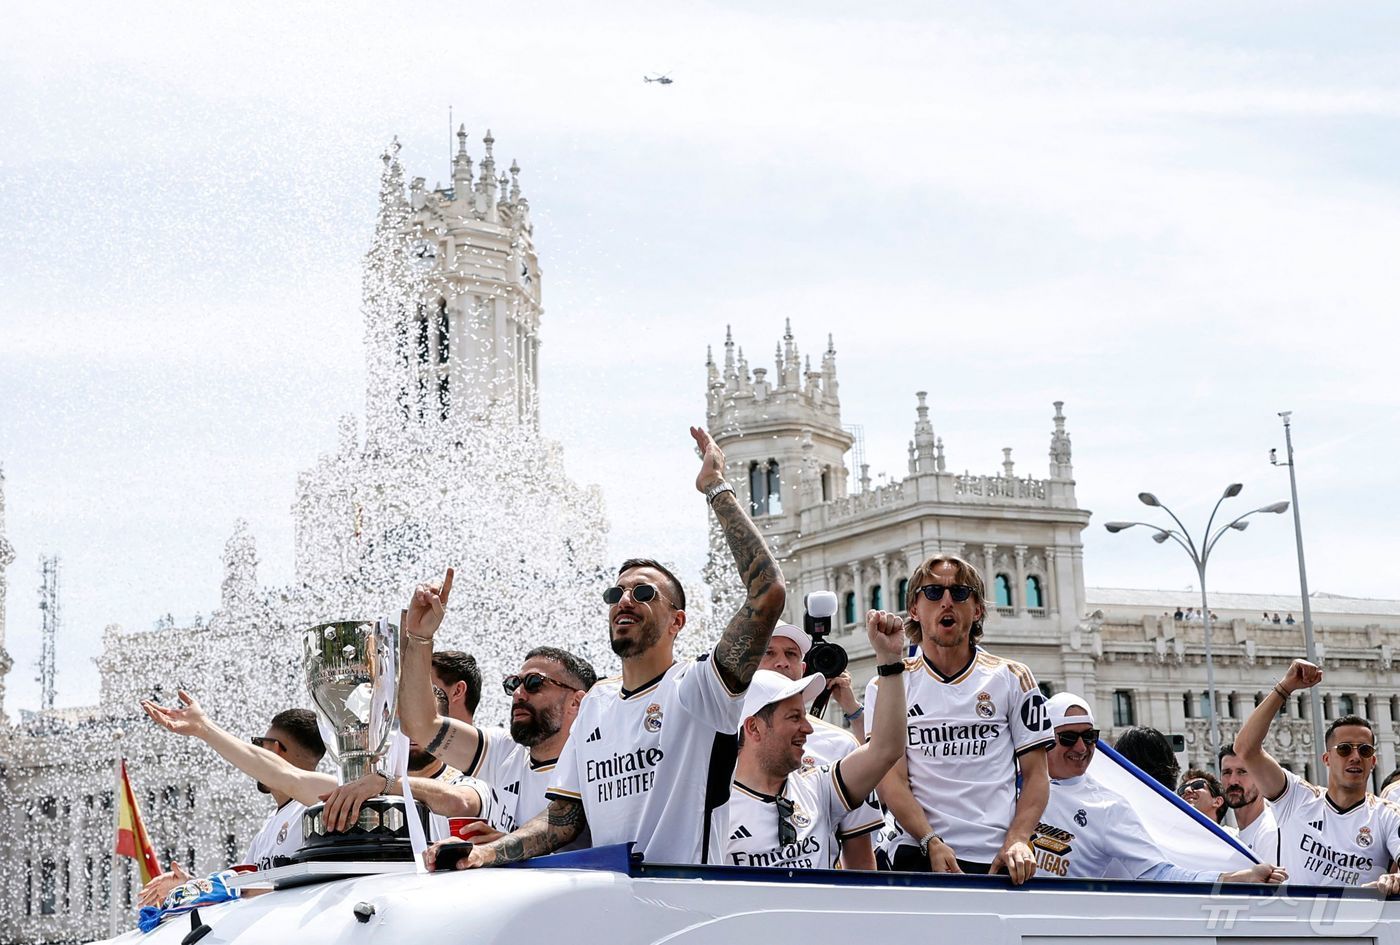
<point x="965" y="733"/>
<point x="518" y="782"/>
<point x="1322" y="845"/>
<point x="1090" y="832"/>
<point x="827" y="745"/>
<point x="439" y="827"/>
<point x="1262" y="836"/>
<point x="819" y="802"/>
<point x="280" y="835"/>
<point x="651" y="765"/>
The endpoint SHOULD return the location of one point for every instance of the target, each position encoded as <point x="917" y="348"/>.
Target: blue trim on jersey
<point x="1161" y="789"/>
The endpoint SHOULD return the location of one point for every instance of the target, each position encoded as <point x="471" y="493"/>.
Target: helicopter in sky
<point x="662" y="79"/>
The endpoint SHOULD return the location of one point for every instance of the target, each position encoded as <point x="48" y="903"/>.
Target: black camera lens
<point x="829" y="659"/>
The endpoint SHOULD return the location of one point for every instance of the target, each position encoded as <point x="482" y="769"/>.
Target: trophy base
<point x="381" y="833"/>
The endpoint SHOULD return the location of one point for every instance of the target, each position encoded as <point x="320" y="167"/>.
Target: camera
<point x="829" y="659"/>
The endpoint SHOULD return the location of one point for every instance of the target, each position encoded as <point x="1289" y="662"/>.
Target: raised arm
<point x="451" y="740"/>
<point x="864" y="768"/>
<point x="558" y="826"/>
<point x="257" y="763"/>
<point x="741" y="647"/>
<point x="1249" y="743"/>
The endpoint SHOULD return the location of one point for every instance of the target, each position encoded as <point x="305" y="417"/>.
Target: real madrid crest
<point x="985" y="708"/>
<point x="800" y="818"/>
<point x="282" y="834"/>
<point x="653" y="721"/>
<point x="1363" y="837"/>
<point x="1081" y="817"/>
<point x="808" y="762"/>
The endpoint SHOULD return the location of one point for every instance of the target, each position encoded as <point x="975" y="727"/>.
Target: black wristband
<point x="890" y="669"/>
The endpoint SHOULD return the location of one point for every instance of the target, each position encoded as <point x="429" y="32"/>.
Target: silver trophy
<point x="352" y="673"/>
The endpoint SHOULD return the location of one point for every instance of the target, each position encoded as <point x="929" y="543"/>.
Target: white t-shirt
<point x="1090" y="832"/>
<point x="1262" y="836"/>
<point x="279" y="836"/>
<point x="965" y="733"/>
<point x="1322" y="845"/>
<point x="651" y="765"/>
<point x="827" y="745"/>
<point x="518" y="782"/>
<point x="819" y="802"/>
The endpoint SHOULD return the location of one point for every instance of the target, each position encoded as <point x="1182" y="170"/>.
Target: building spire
<point x="1061" y="466"/>
<point x="924" y="440"/>
<point x="461" y="165"/>
<point x="514" y="181"/>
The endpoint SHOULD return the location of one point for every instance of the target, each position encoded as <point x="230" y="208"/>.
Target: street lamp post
<point x="1314" y="698"/>
<point x="1200" y="557"/>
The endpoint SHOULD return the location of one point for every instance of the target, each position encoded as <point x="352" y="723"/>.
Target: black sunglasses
<point x="1345" y="749"/>
<point x="262" y="741"/>
<point x="1069" y="738"/>
<point x="533" y="683"/>
<point x="787" y="831"/>
<point x="1198" y="784"/>
<point x="641" y="593"/>
<point x="934" y="592"/>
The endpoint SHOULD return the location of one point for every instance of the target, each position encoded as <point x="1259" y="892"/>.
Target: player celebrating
<point x="974" y="720"/>
<point x="1341" y="836"/>
<point x="784" y="814"/>
<point x="651" y="754"/>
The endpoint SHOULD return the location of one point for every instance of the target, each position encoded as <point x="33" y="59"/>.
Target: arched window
<point x="1003" y="589"/>
<point x="877" y="598"/>
<point x="1034" y="598"/>
<point x="775" y="489"/>
<point x="850" y="607"/>
<point x="826" y="483"/>
<point x="758" y="490"/>
<point x="903" y="594"/>
<point x="1346" y="705"/>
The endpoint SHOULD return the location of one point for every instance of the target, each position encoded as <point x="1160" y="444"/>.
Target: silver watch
<point x="925" y="840"/>
<point x="717" y="490"/>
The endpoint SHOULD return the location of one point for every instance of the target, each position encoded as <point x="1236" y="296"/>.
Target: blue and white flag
<point x="1185" y="836"/>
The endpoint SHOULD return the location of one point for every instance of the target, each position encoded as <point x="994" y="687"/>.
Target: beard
<point x="542" y="724"/>
<point x="648" y="634"/>
<point x="418" y="760"/>
<point x="1236" y="798"/>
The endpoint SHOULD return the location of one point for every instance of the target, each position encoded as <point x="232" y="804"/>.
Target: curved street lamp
<point x="1200" y="557"/>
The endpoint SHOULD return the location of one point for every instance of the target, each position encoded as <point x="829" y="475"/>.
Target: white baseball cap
<point x="1060" y="703"/>
<point x="796" y="635"/>
<point x="768" y="687"/>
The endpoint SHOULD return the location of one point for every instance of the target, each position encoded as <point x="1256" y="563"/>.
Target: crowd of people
<point x="954" y="762"/>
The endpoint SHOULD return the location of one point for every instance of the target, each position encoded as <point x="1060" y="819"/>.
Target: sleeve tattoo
<point x="741" y="647"/>
<point x="555" y="828"/>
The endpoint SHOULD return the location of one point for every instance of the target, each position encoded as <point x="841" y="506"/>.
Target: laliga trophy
<point x="352" y="673"/>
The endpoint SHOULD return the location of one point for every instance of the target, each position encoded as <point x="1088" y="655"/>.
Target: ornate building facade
<point x="789" y="454"/>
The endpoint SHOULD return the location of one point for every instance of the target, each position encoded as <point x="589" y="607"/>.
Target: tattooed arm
<point x="450" y="740"/>
<point x="558" y="826"/>
<point x="741" y="647"/>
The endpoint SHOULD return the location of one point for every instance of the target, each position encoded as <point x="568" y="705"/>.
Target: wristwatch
<point x="717" y="490"/>
<point x="925" y="840"/>
<point x="890" y="669"/>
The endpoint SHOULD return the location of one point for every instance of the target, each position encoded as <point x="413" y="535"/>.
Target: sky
<point x="1178" y="219"/>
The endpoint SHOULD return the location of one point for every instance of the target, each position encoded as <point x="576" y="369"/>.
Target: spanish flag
<point x="132" y="839"/>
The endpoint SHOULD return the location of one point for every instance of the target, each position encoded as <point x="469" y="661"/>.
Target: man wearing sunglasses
<point x="974" y="720"/>
<point x="789" y="814"/>
<point x="518" y="764"/>
<point x="1089" y="831"/>
<point x="1202" y="791"/>
<point x="651" y="754"/>
<point x="1341" y="836"/>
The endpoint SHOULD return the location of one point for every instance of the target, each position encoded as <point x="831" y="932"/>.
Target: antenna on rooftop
<point x="48" y="605"/>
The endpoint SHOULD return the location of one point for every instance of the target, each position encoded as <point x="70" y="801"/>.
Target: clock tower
<point x="452" y="297"/>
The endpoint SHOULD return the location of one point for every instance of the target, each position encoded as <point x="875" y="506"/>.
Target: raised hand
<point x="188" y="719"/>
<point x="886" y="633"/>
<point x="1300" y="675"/>
<point x="842" y="693"/>
<point x="711" y="460"/>
<point x="426" y="609"/>
<point x="1017" y="860"/>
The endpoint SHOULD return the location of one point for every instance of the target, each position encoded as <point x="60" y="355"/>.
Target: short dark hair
<point x="454" y="666"/>
<point x="1212" y="785"/>
<point x="1150" y="750"/>
<point x="1391" y="779"/>
<point x="440" y="695"/>
<point x="677" y="592"/>
<point x="1226" y="751"/>
<point x="576" y="666"/>
<point x="1349" y="720"/>
<point x="766" y="714"/>
<point x="300" y="726"/>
